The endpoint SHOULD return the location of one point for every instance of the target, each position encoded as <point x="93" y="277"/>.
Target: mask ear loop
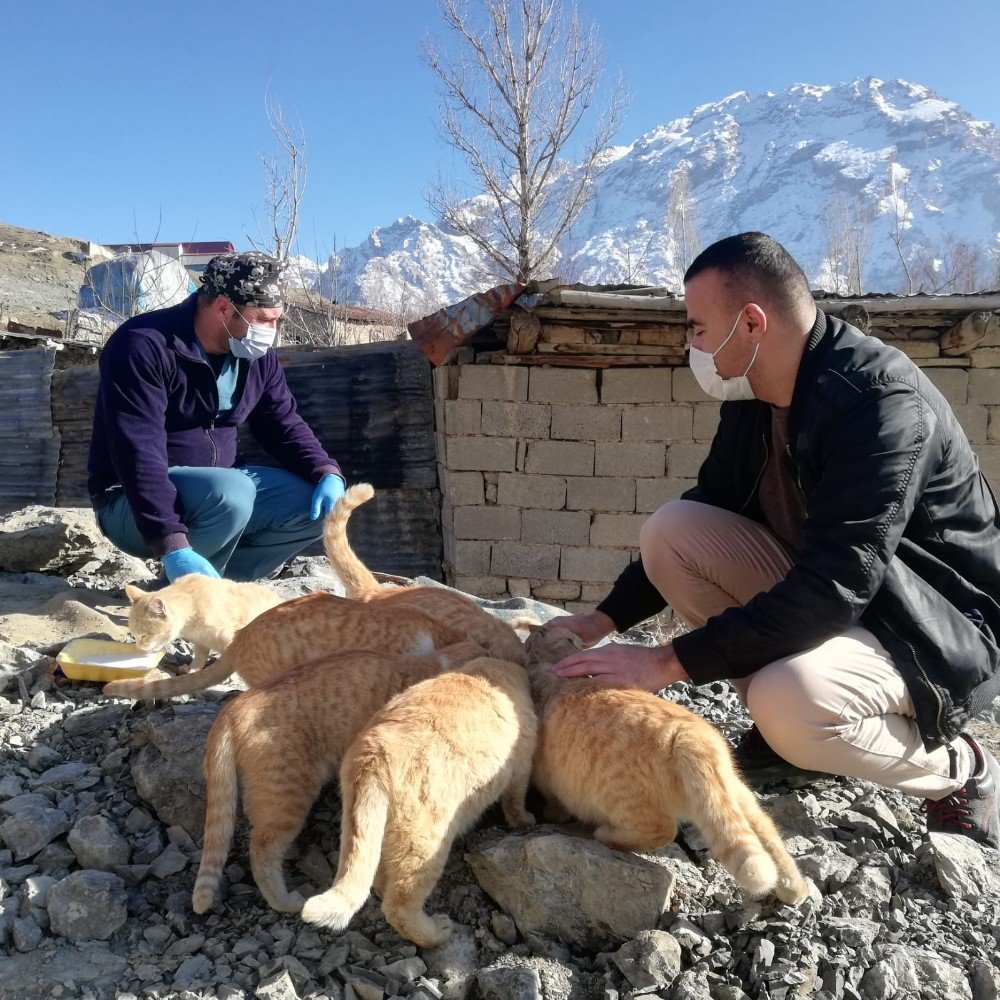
<point x="752" y="360"/>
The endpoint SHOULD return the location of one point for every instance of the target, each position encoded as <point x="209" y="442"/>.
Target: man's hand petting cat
<point x="648" y="667"/>
<point x="590" y="628"/>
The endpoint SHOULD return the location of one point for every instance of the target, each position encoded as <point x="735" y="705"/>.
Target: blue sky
<point x="123" y="119"/>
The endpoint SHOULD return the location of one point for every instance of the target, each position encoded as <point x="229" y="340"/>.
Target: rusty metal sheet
<point x="440" y="333"/>
<point x="29" y="444"/>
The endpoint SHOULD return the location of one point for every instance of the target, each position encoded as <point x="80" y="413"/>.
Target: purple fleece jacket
<point x="156" y="407"/>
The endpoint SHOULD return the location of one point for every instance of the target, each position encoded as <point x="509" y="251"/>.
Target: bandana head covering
<point x="246" y="279"/>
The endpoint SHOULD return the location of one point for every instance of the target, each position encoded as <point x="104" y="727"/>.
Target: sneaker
<point x="760" y="765"/>
<point x="973" y="810"/>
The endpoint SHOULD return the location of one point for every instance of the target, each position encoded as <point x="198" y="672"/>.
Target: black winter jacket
<point x="902" y="533"/>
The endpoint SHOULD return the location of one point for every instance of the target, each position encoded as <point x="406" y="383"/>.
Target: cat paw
<point x="291" y="902"/>
<point x="791" y="891"/>
<point x="520" y="818"/>
<point x="437" y="932"/>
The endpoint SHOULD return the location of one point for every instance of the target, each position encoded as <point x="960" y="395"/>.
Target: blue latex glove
<point x="328" y="491"/>
<point x="180" y="562"/>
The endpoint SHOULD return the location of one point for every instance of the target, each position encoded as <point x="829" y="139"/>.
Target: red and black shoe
<point x="973" y="810"/>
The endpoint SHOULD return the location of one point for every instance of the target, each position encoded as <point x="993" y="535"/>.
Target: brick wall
<point x="547" y="473"/>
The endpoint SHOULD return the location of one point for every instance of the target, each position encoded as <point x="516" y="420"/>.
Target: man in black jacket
<point x="839" y="559"/>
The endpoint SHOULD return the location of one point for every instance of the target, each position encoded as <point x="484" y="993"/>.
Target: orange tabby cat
<point x="446" y="605"/>
<point x="283" y="742"/>
<point x="205" y="611"/>
<point x="297" y="632"/>
<point x="418" y="776"/>
<point x="632" y="763"/>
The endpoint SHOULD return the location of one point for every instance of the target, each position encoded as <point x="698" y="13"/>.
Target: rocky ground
<point x="101" y="810"/>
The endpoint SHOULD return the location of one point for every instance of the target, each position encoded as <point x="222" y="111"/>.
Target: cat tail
<point x="354" y="574"/>
<point x="167" y="687"/>
<point x="362" y="829"/>
<point x="713" y="790"/>
<point x="220" y="813"/>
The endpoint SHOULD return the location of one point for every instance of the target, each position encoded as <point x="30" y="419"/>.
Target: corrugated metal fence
<point x="29" y="444"/>
<point x="371" y="405"/>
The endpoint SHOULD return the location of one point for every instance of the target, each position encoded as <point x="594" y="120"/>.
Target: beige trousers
<point x="841" y="707"/>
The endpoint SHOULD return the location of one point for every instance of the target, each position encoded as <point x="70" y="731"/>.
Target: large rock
<point x="570" y="888"/>
<point x="62" y="541"/>
<point x="168" y="770"/>
<point x="28" y="830"/>
<point x="31" y="976"/>
<point x="97" y="844"/>
<point x="87" y="906"/>
<point x="56" y="621"/>
<point x="964" y="868"/>
<point x="651" y="961"/>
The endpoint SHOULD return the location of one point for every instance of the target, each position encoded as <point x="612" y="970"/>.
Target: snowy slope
<point x="891" y="154"/>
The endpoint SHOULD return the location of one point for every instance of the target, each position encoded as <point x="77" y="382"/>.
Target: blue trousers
<point x="246" y="522"/>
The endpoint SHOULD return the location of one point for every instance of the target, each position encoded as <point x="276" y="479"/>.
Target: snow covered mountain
<point x="872" y="185"/>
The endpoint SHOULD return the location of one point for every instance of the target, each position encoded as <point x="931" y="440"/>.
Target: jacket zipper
<point x="756" y="482"/>
<point x="798" y="478"/>
<point x="215" y="450"/>
<point x="923" y="674"/>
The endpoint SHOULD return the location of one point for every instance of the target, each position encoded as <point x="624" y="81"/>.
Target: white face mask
<point x="703" y="367"/>
<point x="256" y="342"/>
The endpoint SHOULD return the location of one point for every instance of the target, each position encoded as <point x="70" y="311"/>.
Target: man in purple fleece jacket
<point x="175" y="385"/>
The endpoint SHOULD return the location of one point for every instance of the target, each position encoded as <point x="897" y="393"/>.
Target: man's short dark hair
<point x="756" y="267"/>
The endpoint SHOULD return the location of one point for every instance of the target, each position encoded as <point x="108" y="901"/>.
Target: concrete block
<point x="974" y="419"/>
<point x="516" y="420"/>
<point x="685" y="387"/>
<point x="517" y="490"/>
<point x="673" y="422"/>
<point x="481" y="586"/>
<point x="596" y="493"/>
<point x="560" y="527"/>
<point x="562" y="385"/>
<point x="579" y="607"/>
<point x="556" y="590"/>
<point x="461" y="488"/>
<point x="620" y="530"/>
<point x="989" y="461"/>
<point x="993" y="432"/>
<point x="471" y="558"/>
<point x="487" y="522"/>
<point x="629" y="459"/>
<point x="684" y="460"/>
<point x="594" y="592"/>
<point x="462" y="416"/>
<point x="592" y="565"/>
<point x="652" y="494"/>
<point x="586" y="423"/>
<point x="519" y="588"/>
<point x="446" y="382"/>
<point x="524" y="559"/>
<point x="706" y="420"/>
<point x="636" y="385"/>
<point x="481" y="454"/>
<point x="492" y="382"/>
<point x="954" y="384"/>
<point x="561" y="458"/>
<point x="984" y="386"/>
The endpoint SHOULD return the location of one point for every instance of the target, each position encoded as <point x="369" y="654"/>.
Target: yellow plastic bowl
<point x="104" y="660"/>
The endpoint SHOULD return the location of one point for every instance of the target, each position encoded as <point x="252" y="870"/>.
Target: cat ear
<point x="157" y="608"/>
<point x="133" y="593"/>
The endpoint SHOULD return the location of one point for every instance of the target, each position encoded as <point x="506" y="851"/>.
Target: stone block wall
<point x="547" y="474"/>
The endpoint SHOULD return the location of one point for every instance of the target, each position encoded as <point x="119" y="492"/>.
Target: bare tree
<point x="515" y="92"/>
<point x="847" y="227"/>
<point x="898" y="193"/>
<point x="958" y="268"/>
<point x="285" y="173"/>
<point x="682" y="221"/>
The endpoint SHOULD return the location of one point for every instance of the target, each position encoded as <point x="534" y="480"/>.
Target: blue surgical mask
<point x="256" y="342"/>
